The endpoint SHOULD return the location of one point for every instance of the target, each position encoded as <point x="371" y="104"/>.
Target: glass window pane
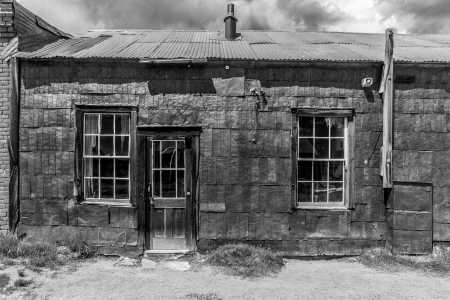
<point x="156" y="154"/>
<point x="122" y="124"/>
<point x="320" y="192"/>
<point x="122" y="168"/>
<point x="168" y="183"/>
<point x="321" y="127"/>
<point x="337" y="127"/>
<point x="305" y="126"/>
<point x="180" y="184"/>
<point x="107" y="167"/>
<point x="107" y="188"/>
<point x="180" y="154"/>
<point x="305" y="148"/>
<point x="107" y="124"/>
<point x="91" y="188"/>
<point x="304" y="192"/>
<point x="106" y="146"/>
<point x="336" y="170"/>
<point x="122" y="187"/>
<point x="168" y="154"/>
<point x="304" y="170"/>
<point x="320" y="170"/>
<point x="321" y="148"/>
<point x="156" y="184"/>
<point x="122" y="143"/>
<point x="91" y="167"/>
<point x="337" y="148"/>
<point x="336" y="192"/>
<point x="90" y="123"/>
<point x="91" y="145"/>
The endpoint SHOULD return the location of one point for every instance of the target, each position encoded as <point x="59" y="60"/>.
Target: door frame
<point x="192" y="134"/>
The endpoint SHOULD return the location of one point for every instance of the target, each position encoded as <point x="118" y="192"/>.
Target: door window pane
<point x="168" y="179"/>
<point x="168" y="157"/>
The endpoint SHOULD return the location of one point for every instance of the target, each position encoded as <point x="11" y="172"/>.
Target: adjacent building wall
<point x="7" y="32"/>
<point x="245" y="149"/>
<point x="421" y="155"/>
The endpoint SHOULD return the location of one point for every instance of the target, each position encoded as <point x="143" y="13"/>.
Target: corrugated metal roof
<point x="251" y="45"/>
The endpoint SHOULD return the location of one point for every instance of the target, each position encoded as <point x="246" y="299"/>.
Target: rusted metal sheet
<point x="271" y="46"/>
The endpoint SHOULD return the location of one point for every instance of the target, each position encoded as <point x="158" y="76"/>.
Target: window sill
<point x="108" y="203"/>
<point x="333" y="208"/>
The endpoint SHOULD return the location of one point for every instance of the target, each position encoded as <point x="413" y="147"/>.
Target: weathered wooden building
<point x="184" y="140"/>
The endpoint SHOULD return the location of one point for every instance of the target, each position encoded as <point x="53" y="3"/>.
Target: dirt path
<point x="336" y="279"/>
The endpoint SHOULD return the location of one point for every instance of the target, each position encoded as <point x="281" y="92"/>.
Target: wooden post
<point x="387" y="90"/>
<point x="13" y="146"/>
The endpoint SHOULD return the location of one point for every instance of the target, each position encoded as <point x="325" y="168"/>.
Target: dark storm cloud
<point x="418" y="16"/>
<point x="207" y="14"/>
<point x="310" y="14"/>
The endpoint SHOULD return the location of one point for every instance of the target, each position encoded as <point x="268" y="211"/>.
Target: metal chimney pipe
<point x="230" y="23"/>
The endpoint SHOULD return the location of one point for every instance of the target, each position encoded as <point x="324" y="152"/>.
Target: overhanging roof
<point x="252" y="45"/>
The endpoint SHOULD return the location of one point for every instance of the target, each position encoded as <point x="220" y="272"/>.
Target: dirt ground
<point x="327" y="279"/>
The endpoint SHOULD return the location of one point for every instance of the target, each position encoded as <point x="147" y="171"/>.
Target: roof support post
<point x="387" y="91"/>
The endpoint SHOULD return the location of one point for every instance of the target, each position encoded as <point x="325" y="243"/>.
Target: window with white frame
<point x="322" y="154"/>
<point x="106" y="157"/>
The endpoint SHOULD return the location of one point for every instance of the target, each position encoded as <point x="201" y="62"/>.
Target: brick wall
<point x="244" y="186"/>
<point x="7" y="32"/>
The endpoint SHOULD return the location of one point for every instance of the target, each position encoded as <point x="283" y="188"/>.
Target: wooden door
<point x="170" y="192"/>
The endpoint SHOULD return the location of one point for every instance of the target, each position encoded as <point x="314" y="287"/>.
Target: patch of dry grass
<point x="209" y="296"/>
<point x="245" y="260"/>
<point x="437" y="263"/>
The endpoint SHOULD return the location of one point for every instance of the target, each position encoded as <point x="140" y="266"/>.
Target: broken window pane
<point x="180" y="154"/>
<point x="168" y="154"/>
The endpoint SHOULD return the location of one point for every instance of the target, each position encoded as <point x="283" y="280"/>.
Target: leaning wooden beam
<point x="13" y="146"/>
<point x="387" y="90"/>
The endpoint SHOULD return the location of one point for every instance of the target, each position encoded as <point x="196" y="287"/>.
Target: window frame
<point x="80" y="112"/>
<point x="348" y="114"/>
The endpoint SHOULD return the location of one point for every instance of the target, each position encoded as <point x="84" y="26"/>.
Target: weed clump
<point x="246" y="260"/>
<point x="438" y="263"/>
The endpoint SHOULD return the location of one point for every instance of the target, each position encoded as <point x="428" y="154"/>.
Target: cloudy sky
<point x="406" y="16"/>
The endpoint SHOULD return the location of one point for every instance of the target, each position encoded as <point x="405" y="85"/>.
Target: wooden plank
<point x="169" y="203"/>
<point x="412" y="242"/>
<point x="407" y="220"/>
<point x="412" y="197"/>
